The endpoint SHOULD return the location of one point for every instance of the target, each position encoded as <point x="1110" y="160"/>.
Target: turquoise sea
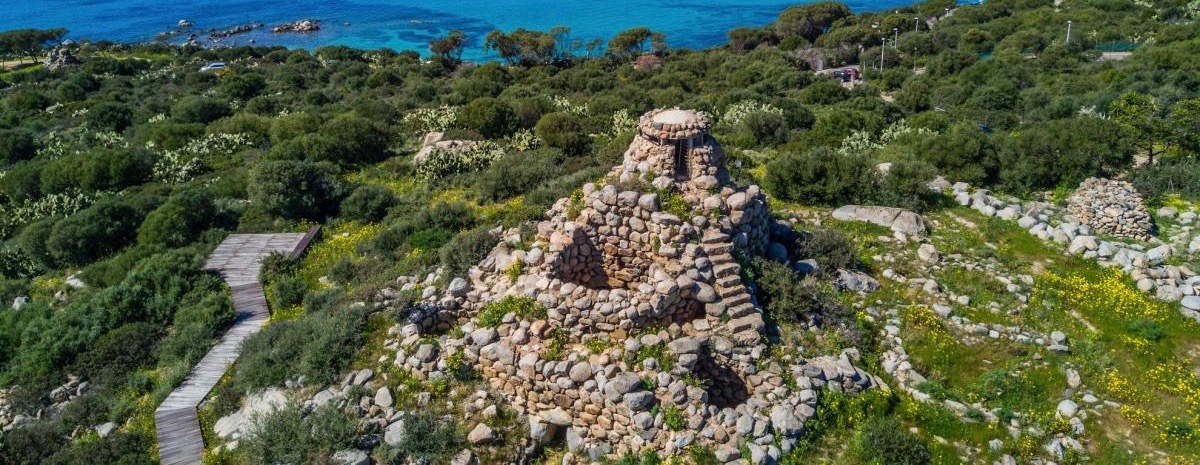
<point x="401" y="24"/>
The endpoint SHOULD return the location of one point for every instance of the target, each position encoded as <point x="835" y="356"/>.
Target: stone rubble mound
<point x="628" y="325"/>
<point x="1111" y="207"/>
<point x="1144" y="260"/>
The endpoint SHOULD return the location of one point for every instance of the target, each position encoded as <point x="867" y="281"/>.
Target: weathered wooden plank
<point x="238" y="259"/>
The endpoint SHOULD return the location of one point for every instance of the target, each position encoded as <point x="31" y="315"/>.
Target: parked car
<point x="846" y="74"/>
<point x="214" y="66"/>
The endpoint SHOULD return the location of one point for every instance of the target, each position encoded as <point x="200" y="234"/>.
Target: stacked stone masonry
<point x="682" y="335"/>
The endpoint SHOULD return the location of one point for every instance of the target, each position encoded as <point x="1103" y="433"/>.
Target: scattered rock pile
<point x="624" y="324"/>
<point x="1145" y="262"/>
<point x="1111" y="207"/>
<point x="60" y="58"/>
<point x="59" y="398"/>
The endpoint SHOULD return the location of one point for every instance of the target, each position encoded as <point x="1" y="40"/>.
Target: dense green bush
<point x="110" y="116"/>
<point x="887" y="442"/>
<point x="194" y="109"/>
<point x="563" y="131"/>
<point x="294" y="189"/>
<point x="93" y="233"/>
<point x="368" y="203"/>
<point x="437" y="441"/>
<point x="832" y="249"/>
<point x="318" y="346"/>
<point x="180" y="220"/>
<point x="789" y="297"/>
<point x="100" y="169"/>
<point x="294" y="435"/>
<point x="1064" y="152"/>
<point x="16" y="145"/>
<point x="1168" y="177"/>
<point x="491" y="117"/>
<point x="820" y="176"/>
<point x="466" y="250"/>
<point x="516" y="173"/>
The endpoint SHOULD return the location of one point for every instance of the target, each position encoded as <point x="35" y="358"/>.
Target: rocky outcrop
<point x="896" y="219"/>
<point x="1111" y="207"/>
<point x="239" y="423"/>
<point x="60" y="58"/>
<point x="304" y="25"/>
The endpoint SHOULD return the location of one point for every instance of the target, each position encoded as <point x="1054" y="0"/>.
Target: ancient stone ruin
<point x="1111" y="207"/>
<point x="643" y="335"/>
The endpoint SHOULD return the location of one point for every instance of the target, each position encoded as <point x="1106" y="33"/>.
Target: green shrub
<point x="294" y="189"/>
<point x="788" y="297"/>
<point x="1167" y="177"/>
<point x="195" y="109"/>
<point x="429" y="438"/>
<point x="564" y="131"/>
<point x="180" y="220"/>
<point x="287" y="292"/>
<point x="93" y="233"/>
<point x="673" y="418"/>
<point x="887" y="442"/>
<point x="466" y="250"/>
<point x="820" y="176"/>
<point x="515" y="174"/>
<point x="319" y="346"/>
<point x="16" y="145"/>
<point x="368" y="203"/>
<point x="491" y="117"/>
<point x="832" y="249"/>
<point x="523" y="307"/>
<point x="292" y="435"/>
<point x="110" y="116"/>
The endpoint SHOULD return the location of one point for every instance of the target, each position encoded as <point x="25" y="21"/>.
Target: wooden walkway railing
<point x="238" y="258"/>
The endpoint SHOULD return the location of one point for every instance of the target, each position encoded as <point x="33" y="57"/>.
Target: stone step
<point x="747" y="338"/>
<point x="741" y="310"/>
<point x="726" y="269"/>
<point x="720" y="259"/>
<point x="736" y="299"/>
<point x="728" y="282"/>
<point x="752" y="322"/>
<point x="714" y="237"/>
<point x="717" y="249"/>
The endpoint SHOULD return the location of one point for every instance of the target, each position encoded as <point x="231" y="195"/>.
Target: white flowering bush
<point x="900" y="130"/>
<point x="858" y="142"/>
<point x="159" y="118"/>
<point x="427" y="120"/>
<point x="736" y="112"/>
<point x="523" y="140"/>
<point x="443" y="163"/>
<point x="183" y="165"/>
<point x="563" y="104"/>
<point x="61" y="204"/>
<point x="622" y="122"/>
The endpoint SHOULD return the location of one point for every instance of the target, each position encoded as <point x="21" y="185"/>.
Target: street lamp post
<point x="882" y="50"/>
<point x="916" y="23"/>
<point x="1068" y="32"/>
<point x="896" y="37"/>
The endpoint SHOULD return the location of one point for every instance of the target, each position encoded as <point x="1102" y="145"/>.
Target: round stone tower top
<point x="674" y="124"/>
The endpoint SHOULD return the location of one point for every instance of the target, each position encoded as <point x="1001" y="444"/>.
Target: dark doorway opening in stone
<point x="725" y="388"/>
<point x="681" y="160"/>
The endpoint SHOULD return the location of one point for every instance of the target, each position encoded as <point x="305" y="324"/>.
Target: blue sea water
<point x="401" y="24"/>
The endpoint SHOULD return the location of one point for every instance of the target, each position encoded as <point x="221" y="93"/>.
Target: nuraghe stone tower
<point x="650" y="339"/>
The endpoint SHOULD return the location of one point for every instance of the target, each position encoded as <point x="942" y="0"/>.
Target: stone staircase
<point x="745" y="319"/>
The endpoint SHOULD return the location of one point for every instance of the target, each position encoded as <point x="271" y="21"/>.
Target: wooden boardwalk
<point x="238" y="258"/>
